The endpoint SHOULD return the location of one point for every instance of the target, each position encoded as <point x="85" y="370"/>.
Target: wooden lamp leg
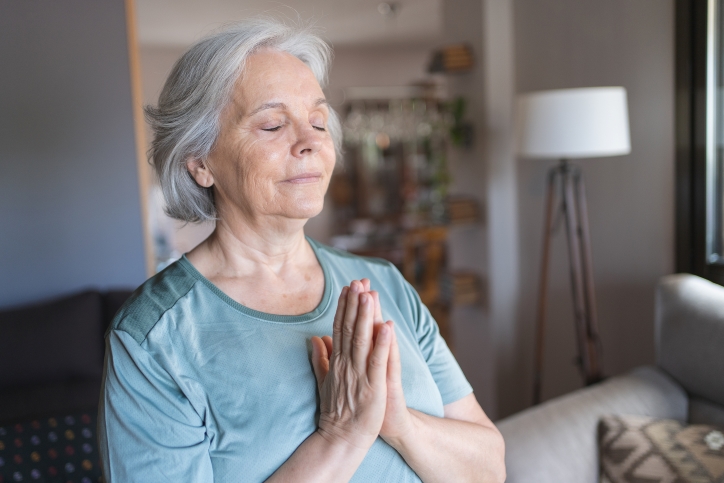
<point x="575" y="210"/>
<point x="543" y="287"/>
<point x="580" y="315"/>
<point x="593" y="340"/>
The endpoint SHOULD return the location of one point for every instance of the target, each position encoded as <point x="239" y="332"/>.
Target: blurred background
<point x="429" y="178"/>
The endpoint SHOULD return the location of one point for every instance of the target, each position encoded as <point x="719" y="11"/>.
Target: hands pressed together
<point x="359" y="379"/>
<point x="359" y="374"/>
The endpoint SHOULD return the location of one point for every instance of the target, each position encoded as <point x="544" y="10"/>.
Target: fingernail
<point x="354" y="288"/>
<point x="364" y="298"/>
<point x="384" y="332"/>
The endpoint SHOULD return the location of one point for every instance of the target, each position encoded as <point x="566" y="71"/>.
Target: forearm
<point x="444" y="449"/>
<point x="320" y="459"/>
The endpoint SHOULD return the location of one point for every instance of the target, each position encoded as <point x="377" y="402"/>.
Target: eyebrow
<point x="281" y="105"/>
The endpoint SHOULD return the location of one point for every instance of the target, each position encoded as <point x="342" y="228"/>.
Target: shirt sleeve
<point x="147" y="428"/>
<point x="446" y="372"/>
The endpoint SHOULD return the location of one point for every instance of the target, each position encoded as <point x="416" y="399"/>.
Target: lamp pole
<point x="572" y="205"/>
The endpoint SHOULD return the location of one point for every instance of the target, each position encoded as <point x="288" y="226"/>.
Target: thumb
<point x="329" y="343"/>
<point x="320" y="360"/>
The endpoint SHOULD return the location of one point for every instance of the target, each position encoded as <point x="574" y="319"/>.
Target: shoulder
<point x="152" y="300"/>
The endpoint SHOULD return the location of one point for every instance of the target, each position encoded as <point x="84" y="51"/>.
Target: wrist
<point x="407" y="434"/>
<point x="345" y="444"/>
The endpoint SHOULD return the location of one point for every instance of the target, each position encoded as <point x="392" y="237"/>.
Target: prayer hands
<point x="358" y="373"/>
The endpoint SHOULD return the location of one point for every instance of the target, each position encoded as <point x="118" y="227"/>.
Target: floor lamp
<point x="565" y="124"/>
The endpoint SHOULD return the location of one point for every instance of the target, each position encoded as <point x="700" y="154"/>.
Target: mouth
<point x="305" y="178"/>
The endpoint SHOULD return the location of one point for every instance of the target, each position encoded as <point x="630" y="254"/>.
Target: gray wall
<point x="473" y="332"/>
<point x="70" y="214"/>
<point x="580" y="43"/>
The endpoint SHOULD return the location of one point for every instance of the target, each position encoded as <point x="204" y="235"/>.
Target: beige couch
<point x="556" y="441"/>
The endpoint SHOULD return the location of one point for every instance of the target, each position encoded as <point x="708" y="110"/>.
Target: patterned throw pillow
<point x="59" y="449"/>
<point x="637" y="449"/>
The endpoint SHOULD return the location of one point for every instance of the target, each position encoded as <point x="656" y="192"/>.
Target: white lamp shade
<point x="573" y="123"/>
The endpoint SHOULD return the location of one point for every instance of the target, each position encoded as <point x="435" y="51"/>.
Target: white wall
<point x="386" y="65"/>
<point x="580" y="43"/>
<point x="156" y="64"/>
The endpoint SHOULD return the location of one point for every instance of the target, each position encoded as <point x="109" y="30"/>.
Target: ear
<point x="200" y="172"/>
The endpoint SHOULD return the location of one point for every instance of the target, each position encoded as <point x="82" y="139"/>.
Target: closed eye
<point x="273" y="128"/>
<point x="319" y="128"/>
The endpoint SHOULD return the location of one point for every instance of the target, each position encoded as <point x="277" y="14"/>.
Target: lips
<point x="305" y="178"/>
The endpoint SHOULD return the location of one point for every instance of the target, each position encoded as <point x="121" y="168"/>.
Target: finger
<point x="377" y="370"/>
<point x="320" y="360"/>
<point x="366" y="284"/>
<point x="329" y="343"/>
<point x="378" y="308"/>
<point x="338" y="321"/>
<point x="362" y="340"/>
<point x="377" y="320"/>
<point x="350" y="316"/>
<point x="394" y="367"/>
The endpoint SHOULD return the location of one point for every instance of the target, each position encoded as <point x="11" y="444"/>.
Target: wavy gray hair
<point x="186" y="121"/>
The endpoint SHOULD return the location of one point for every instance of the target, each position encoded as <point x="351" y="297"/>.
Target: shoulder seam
<point x="150" y="302"/>
<point x="120" y="322"/>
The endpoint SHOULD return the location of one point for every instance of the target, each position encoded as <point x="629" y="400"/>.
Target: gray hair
<point x="186" y="121"/>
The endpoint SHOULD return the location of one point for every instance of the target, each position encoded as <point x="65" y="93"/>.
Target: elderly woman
<point x="208" y="374"/>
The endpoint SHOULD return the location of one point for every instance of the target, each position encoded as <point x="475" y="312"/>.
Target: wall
<point x="353" y="66"/>
<point x="581" y="43"/>
<point x="69" y="200"/>
<point x="468" y="246"/>
<point x="380" y="65"/>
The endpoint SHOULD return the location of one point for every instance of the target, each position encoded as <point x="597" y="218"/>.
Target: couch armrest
<point x="690" y="334"/>
<point x="556" y="441"/>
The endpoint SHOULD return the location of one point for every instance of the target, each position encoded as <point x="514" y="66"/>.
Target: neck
<point x="241" y="244"/>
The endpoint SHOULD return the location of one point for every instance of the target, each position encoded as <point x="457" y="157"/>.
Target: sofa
<point x="51" y="365"/>
<point x="51" y="353"/>
<point x="557" y="441"/>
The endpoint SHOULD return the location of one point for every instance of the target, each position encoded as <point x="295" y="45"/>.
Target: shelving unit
<point x="390" y="196"/>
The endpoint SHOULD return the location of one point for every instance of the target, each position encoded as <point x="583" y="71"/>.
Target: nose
<point x="309" y="141"/>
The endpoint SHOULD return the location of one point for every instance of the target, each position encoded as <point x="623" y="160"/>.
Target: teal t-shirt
<point x="199" y="388"/>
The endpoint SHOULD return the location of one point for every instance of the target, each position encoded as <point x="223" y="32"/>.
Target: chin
<point x="305" y="208"/>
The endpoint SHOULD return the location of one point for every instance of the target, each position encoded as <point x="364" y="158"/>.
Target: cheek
<point x="329" y="156"/>
<point x="260" y="162"/>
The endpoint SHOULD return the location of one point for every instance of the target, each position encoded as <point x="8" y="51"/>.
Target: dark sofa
<point x="51" y="354"/>
<point x="51" y="363"/>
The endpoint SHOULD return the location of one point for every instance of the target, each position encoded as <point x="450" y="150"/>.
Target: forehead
<point x="273" y="75"/>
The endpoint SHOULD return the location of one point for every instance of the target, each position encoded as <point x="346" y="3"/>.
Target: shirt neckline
<point x="309" y="316"/>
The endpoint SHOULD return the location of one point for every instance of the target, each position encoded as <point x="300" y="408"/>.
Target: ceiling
<point x="342" y="22"/>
